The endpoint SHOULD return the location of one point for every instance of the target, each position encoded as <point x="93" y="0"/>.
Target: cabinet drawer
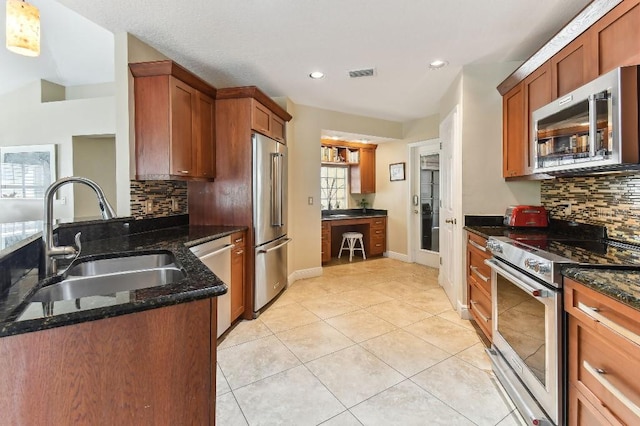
<point x="479" y="243"/>
<point x="238" y="239"/>
<point x="480" y="307"/>
<point x="611" y="319"/>
<point x="378" y="246"/>
<point x="606" y="374"/>
<point x="582" y="412"/>
<point x="378" y="223"/>
<point x="478" y="270"/>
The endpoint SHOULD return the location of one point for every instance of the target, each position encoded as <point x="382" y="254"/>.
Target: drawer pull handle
<point x="238" y="240"/>
<point x="239" y="252"/>
<point x="484" y="317"/>
<point x="474" y="269"/>
<point x="478" y="246"/>
<point x="183" y="171"/>
<point x="595" y="315"/>
<point x="599" y="374"/>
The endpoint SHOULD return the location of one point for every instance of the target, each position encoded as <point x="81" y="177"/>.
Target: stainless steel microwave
<point x="592" y="129"/>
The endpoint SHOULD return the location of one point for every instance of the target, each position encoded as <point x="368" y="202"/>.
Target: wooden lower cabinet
<point x="479" y="282"/>
<point x="326" y="242"/>
<point x="603" y="358"/>
<point x="373" y="229"/>
<point x="237" y="288"/>
<point x="377" y="236"/>
<point x="147" y="368"/>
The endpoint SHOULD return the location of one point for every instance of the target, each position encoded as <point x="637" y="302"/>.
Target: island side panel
<point x="147" y="368"/>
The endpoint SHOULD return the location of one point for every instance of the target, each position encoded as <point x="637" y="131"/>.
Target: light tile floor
<point x="368" y="343"/>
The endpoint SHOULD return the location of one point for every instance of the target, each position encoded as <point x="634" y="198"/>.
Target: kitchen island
<point x="371" y="223"/>
<point x="144" y="357"/>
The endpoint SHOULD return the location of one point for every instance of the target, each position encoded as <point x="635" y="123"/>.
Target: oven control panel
<point x="537" y="266"/>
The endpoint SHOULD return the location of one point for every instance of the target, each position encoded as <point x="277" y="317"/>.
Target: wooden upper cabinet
<point x="182" y="104"/>
<point x="267" y="117"/>
<point x="206" y="148"/>
<point x="174" y="122"/>
<point x="617" y="37"/>
<point x="537" y="93"/>
<point x="513" y="132"/>
<point x="574" y="65"/>
<point x="363" y="175"/>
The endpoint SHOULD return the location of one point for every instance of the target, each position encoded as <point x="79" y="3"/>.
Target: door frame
<point x="433" y="258"/>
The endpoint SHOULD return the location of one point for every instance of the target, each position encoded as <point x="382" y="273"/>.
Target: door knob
<point x="451" y="221"/>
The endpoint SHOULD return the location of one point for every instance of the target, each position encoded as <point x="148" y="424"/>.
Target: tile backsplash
<point x="157" y="198"/>
<point x="609" y="200"/>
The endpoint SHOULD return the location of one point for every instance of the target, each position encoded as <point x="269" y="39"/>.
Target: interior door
<point x="448" y="221"/>
<point x="425" y="203"/>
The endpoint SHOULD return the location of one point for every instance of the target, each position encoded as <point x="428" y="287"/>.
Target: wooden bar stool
<point x="351" y="238"/>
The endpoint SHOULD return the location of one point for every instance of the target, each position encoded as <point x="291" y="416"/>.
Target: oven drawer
<point x="480" y="307"/>
<point x="604" y="358"/>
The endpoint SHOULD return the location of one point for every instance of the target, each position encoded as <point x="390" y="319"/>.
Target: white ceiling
<point x="275" y="44"/>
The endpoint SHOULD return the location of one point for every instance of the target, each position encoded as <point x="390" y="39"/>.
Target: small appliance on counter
<point x="526" y="217"/>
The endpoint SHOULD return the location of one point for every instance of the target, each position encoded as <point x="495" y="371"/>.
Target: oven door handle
<point x="518" y="279"/>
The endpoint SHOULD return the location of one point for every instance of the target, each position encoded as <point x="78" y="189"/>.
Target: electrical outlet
<point x="149" y="206"/>
<point x="174" y="204"/>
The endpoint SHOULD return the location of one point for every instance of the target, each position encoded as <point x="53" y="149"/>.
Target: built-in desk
<point x="372" y="225"/>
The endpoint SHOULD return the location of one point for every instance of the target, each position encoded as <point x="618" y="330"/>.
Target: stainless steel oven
<point x="527" y="342"/>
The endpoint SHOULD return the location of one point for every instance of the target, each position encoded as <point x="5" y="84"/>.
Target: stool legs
<point x="351" y="246"/>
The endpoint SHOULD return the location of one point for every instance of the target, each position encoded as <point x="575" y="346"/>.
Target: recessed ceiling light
<point x="316" y="75"/>
<point x="437" y="64"/>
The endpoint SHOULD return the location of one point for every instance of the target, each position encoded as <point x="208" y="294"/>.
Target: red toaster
<point x="526" y="216"/>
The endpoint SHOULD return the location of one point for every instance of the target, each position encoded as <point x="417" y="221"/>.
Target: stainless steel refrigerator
<point x="269" y="218"/>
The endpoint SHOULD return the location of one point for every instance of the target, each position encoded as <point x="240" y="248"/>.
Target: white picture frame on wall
<point x="26" y="170"/>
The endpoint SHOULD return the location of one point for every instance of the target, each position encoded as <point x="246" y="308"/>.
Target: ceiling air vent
<point x="369" y="72"/>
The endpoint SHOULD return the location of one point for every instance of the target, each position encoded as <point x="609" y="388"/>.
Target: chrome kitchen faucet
<point x="51" y="252"/>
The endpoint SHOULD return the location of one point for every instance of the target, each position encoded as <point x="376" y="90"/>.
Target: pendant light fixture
<point x="23" y="28"/>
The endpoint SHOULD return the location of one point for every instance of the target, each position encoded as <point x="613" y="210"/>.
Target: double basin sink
<point x="112" y="275"/>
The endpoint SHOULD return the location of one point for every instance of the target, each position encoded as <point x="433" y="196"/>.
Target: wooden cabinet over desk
<point x="359" y="157"/>
<point x="373" y="229"/>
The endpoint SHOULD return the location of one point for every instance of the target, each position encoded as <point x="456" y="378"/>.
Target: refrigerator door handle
<point x="276" y="189"/>
<point x="288" y="240"/>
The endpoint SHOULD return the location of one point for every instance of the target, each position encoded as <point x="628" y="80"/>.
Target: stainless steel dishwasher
<point x="216" y="255"/>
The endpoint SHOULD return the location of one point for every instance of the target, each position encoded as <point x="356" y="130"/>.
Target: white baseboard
<point x="301" y="274"/>
<point x="464" y="312"/>
<point x="397" y="256"/>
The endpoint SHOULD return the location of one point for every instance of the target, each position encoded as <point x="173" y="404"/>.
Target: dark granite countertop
<point x="199" y="282"/>
<point x="620" y="283"/>
<point x="352" y="214"/>
<point x="489" y="231"/>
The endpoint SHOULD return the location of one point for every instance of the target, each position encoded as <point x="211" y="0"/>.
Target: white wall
<point x="26" y="120"/>
<point x="93" y="158"/>
<point x="393" y="196"/>
<point x="481" y="189"/>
